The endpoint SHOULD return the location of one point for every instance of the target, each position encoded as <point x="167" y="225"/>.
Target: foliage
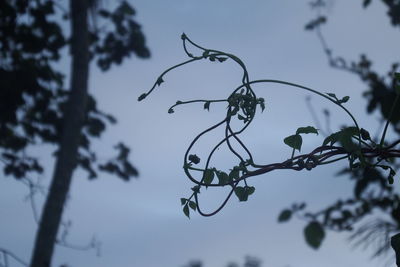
<point x="351" y="143"/>
<point x="33" y="95"/>
<point x="371" y="190"/>
<point x="35" y="107"/>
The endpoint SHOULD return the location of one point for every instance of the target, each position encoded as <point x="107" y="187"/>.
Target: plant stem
<point x="388" y="120"/>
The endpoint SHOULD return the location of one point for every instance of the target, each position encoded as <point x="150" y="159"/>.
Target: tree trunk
<point x="72" y="126"/>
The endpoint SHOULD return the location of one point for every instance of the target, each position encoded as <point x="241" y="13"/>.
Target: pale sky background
<point x="141" y="223"/>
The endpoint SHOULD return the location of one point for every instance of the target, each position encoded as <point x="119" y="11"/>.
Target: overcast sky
<point x="140" y="223"/>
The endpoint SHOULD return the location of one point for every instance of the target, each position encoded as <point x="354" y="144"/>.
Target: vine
<point x="352" y="143"/>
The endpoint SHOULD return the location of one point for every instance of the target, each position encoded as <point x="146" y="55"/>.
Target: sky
<point x="140" y="223"/>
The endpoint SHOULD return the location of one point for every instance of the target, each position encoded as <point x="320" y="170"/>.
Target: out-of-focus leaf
<point x="285" y="215"/>
<point x="314" y="234"/>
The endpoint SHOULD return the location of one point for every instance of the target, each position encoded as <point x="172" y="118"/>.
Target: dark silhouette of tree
<point x="36" y="108"/>
<point x="371" y="193"/>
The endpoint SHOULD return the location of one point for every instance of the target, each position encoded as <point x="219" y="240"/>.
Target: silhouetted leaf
<point x="294" y="141"/>
<point x="346" y="139"/>
<point x="307" y="130"/>
<point x="332" y="95"/>
<point x="159" y="81"/>
<point x="344" y="100"/>
<point x="126" y="8"/>
<point x="186" y="210"/>
<point x="207" y="105"/>
<point x="234" y="174"/>
<point x="332" y="139"/>
<point x="397" y="82"/>
<point x="250" y="190"/>
<point x="192" y="205"/>
<point x="365" y="134"/>
<point x="366" y="3"/>
<point x="243" y="193"/>
<point x="194" y="159"/>
<point x="395" y="243"/>
<point x="142" y="96"/>
<point x="104" y="13"/>
<point x="242" y="118"/>
<point x="183" y="201"/>
<point x="285" y="215"/>
<point x="240" y="192"/>
<point x="196" y="189"/>
<point x="314" y="234"/>
<point x="208" y="176"/>
<point x="223" y="177"/>
<point x="392" y="173"/>
<point x="221" y="59"/>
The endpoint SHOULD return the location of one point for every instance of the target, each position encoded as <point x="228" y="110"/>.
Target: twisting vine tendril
<point x="351" y="143"/>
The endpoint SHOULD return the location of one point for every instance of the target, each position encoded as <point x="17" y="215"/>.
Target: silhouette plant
<point x="352" y="143"/>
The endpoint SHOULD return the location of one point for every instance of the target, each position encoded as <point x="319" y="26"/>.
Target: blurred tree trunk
<point x="72" y="126"/>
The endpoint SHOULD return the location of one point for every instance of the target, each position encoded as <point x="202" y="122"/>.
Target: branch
<point x="8" y="254"/>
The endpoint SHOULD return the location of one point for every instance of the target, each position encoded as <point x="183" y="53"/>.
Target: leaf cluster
<point x="351" y="143"/>
<point x="33" y="95"/>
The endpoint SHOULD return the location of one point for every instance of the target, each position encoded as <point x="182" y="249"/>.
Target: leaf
<point x="194" y="158"/>
<point x="332" y="95"/>
<point x="241" y="193"/>
<point x="223" y="177"/>
<point x="397" y="82"/>
<point x="262" y="105"/>
<point x="242" y="118"/>
<point x="208" y="176"/>
<point x="104" y="13"/>
<point x="159" y="81"/>
<point x="192" y="205"/>
<point x="395" y="243"/>
<point x="285" y="216"/>
<point x="314" y="234"/>
<point x="127" y="8"/>
<point x="294" y="141"/>
<point x="234" y="174"/>
<point x="333" y="138"/>
<point x="366" y="3"/>
<point x="307" y="130"/>
<point x="142" y="96"/>
<point x="391" y="176"/>
<point x="360" y="187"/>
<point x="345" y="138"/>
<point x="186" y="211"/>
<point x="250" y="190"/>
<point x="365" y="134"/>
<point x="196" y="189"/>
<point x="315" y="23"/>
<point x="344" y="100"/>
<point x="221" y="59"/>
<point x="207" y="105"/>
<point x="183" y="201"/>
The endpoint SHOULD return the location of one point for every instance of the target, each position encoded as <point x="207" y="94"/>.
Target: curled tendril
<point x="242" y="105"/>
